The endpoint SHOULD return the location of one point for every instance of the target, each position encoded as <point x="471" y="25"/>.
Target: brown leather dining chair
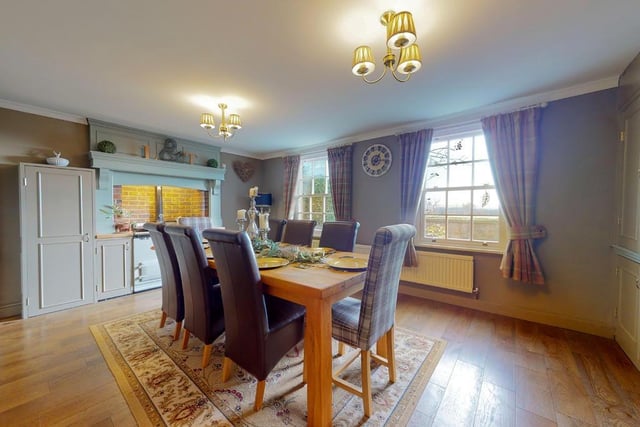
<point x="260" y="328"/>
<point x="339" y="235"/>
<point x="172" y="297"/>
<point x="361" y="323"/>
<point x="298" y="232"/>
<point x="203" y="313"/>
<point x="275" y="229"/>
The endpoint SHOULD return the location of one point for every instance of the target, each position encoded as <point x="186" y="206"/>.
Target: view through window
<point x="460" y="205"/>
<point x="313" y="199"/>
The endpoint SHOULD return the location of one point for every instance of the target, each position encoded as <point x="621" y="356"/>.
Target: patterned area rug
<point x="165" y="385"/>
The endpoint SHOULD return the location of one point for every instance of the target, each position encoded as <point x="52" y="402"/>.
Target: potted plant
<point x="121" y="217"/>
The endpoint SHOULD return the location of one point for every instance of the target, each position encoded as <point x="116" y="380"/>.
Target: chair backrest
<point x="339" y="235"/>
<point x="197" y="283"/>
<point x="246" y="323"/>
<point x="198" y="223"/>
<point x="298" y="232"/>
<point x="172" y="296"/>
<point x="380" y="293"/>
<point x="276" y="226"/>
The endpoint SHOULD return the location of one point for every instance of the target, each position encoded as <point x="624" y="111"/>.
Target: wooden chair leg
<point x="227" y="367"/>
<point x="185" y="340"/>
<point x="206" y="354"/>
<point x="163" y="319"/>
<point x="391" y="355"/>
<point x="340" y="348"/>
<point x="366" y="382"/>
<point x="259" y="395"/>
<point x="176" y="333"/>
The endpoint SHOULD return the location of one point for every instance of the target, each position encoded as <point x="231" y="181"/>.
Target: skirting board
<point x="552" y="319"/>
<point x="10" y="310"/>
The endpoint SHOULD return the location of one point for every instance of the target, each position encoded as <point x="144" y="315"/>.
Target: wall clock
<point x="376" y="160"/>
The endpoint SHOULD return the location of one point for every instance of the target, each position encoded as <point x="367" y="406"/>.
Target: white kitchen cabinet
<point x="113" y="266"/>
<point x="628" y="313"/>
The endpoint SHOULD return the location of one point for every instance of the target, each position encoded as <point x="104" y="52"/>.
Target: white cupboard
<point x="627" y="246"/>
<point x="113" y="267"/>
<point x="56" y="224"/>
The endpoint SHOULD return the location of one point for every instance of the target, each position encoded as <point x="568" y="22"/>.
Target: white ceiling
<point x="284" y="65"/>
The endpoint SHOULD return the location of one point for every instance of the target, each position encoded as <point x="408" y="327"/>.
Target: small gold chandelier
<point x="401" y="35"/>
<point x="226" y="129"/>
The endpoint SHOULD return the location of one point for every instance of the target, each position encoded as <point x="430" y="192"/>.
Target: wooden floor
<point x="496" y="371"/>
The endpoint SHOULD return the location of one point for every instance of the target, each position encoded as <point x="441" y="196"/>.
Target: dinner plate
<point x="348" y="263"/>
<point x="270" y="262"/>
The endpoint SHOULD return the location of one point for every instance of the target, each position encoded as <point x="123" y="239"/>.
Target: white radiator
<point x="454" y="272"/>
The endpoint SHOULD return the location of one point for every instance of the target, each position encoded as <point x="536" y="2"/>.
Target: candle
<point x="263" y="220"/>
<point x="253" y="192"/>
<point x="241" y="213"/>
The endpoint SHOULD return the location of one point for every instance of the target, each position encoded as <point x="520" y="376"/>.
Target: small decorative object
<point x="376" y="160"/>
<point x="244" y="170"/>
<point x="212" y="163"/>
<point x="170" y="151"/>
<point x="57" y="160"/>
<point x="252" y="227"/>
<point x="145" y="151"/>
<point x="107" y="147"/>
<point x="263" y="225"/>
<point x="241" y="219"/>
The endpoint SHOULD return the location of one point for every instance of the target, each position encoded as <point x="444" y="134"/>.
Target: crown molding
<point x="465" y="117"/>
<point x="10" y="105"/>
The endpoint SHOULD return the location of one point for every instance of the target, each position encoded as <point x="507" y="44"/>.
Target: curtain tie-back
<point x="525" y="232"/>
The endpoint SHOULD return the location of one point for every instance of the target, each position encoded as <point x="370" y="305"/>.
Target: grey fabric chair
<point x="361" y="323"/>
<point x="198" y="223"/>
<point x="298" y="232"/>
<point x="339" y="235"/>
<point x="172" y="296"/>
<point x="203" y="313"/>
<point x="276" y="226"/>
<point x="260" y="328"/>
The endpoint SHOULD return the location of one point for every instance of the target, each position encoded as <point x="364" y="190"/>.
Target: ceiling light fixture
<point x="401" y="35"/>
<point x="226" y="129"/>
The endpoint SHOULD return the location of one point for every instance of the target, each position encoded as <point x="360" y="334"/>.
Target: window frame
<point x="448" y="134"/>
<point x="299" y="193"/>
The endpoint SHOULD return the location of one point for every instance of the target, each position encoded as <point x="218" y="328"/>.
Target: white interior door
<point x="57" y="238"/>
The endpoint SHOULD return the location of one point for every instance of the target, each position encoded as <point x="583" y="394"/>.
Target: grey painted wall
<point x="235" y="193"/>
<point x="575" y="201"/>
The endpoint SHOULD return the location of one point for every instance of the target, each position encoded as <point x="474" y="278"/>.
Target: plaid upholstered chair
<point x="198" y="223"/>
<point x="339" y="235"/>
<point x="361" y="323"/>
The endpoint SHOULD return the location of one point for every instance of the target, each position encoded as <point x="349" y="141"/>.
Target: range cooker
<point x="146" y="268"/>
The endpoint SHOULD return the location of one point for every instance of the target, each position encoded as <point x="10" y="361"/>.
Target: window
<point x="460" y="206"/>
<point x="313" y="192"/>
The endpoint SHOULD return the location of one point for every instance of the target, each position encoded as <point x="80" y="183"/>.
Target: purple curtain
<point x="340" y="177"/>
<point x="415" y="148"/>
<point x="291" y="166"/>
<point x="512" y="143"/>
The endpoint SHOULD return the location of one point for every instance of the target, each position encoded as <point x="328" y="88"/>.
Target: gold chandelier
<point x="227" y="127"/>
<point x="401" y="35"/>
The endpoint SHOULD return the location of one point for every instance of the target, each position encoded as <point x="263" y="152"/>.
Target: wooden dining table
<point x="317" y="287"/>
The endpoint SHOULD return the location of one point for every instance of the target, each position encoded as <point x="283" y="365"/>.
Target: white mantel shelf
<point x="132" y="164"/>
